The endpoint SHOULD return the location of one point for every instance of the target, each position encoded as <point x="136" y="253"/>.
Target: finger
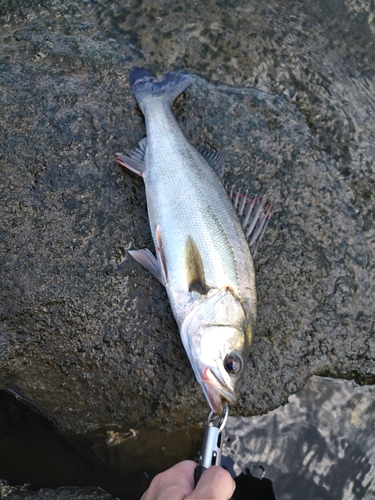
<point x="215" y="484"/>
<point x="173" y="484"/>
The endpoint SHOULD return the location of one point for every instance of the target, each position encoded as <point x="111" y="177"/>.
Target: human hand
<point x="177" y="483"/>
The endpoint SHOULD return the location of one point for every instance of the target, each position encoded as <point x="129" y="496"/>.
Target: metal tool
<point x="212" y="441"/>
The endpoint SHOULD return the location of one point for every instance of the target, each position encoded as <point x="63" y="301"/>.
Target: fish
<point x="202" y="236"/>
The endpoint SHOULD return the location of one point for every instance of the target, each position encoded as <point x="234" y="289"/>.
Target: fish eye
<point x="233" y="364"/>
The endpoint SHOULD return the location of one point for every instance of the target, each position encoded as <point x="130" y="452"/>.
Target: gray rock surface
<point x="288" y="90"/>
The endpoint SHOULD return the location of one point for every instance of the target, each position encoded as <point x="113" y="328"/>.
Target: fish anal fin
<point x="134" y="159"/>
<point x="148" y="261"/>
<point x="253" y="216"/>
<point x="194" y="268"/>
<point x="215" y="158"/>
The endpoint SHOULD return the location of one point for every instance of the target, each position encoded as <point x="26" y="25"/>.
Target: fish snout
<point x="217" y="392"/>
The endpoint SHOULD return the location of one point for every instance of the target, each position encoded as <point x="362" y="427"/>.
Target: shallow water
<point x="319" y="446"/>
<point x="33" y="451"/>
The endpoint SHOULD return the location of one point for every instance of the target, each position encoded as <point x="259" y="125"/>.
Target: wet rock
<point x="62" y="494"/>
<point x="88" y="335"/>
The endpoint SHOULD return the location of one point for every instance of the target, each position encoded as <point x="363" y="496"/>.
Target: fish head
<point x="217" y="335"/>
<point x="218" y="354"/>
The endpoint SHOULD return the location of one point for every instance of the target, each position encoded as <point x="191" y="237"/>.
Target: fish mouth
<point x="216" y="391"/>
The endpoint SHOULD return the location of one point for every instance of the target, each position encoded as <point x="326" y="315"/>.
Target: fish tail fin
<point x="147" y="86"/>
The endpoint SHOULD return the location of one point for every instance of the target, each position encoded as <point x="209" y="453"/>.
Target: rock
<point x="87" y="335"/>
<point x="63" y="494"/>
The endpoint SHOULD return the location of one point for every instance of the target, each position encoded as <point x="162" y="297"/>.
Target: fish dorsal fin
<point x="134" y="159"/>
<point x="215" y="158"/>
<point x="254" y="219"/>
<point x="194" y="268"/>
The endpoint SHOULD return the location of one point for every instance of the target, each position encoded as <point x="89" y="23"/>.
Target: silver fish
<point x="202" y="253"/>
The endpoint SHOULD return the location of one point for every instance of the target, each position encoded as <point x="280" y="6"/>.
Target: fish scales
<point x="201" y="207"/>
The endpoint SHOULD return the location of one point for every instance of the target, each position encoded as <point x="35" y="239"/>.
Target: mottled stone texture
<point x="62" y="494"/>
<point x="87" y="334"/>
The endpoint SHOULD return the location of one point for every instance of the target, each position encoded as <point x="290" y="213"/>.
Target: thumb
<point x="215" y="484"/>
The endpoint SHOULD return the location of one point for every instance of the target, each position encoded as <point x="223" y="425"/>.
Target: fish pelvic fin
<point x="149" y="262"/>
<point x="146" y="86"/>
<point x="134" y="159"/>
<point x="156" y="265"/>
<point x="253" y="217"/>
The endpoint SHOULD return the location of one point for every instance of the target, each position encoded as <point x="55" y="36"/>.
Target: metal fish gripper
<point x="210" y="453"/>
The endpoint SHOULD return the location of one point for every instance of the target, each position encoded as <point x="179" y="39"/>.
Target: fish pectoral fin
<point x="148" y="261"/>
<point x="215" y="158"/>
<point x="134" y="159"/>
<point x="161" y="256"/>
<point x="194" y="268"/>
<point x="254" y="219"/>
